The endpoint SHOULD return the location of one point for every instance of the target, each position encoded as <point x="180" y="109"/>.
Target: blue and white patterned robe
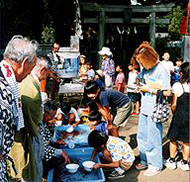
<point x="7" y="124"/>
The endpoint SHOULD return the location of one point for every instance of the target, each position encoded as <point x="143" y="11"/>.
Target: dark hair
<point x="65" y="107"/>
<point x="96" y="139"/>
<point x="91" y="87"/>
<point x="130" y="64"/>
<point x="179" y="59"/>
<point x="92" y="105"/>
<point x="54" y="44"/>
<point x="95" y="116"/>
<point x="185" y="70"/>
<point x="49" y="106"/>
<point x="121" y="67"/>
<point x="89" y="63"/>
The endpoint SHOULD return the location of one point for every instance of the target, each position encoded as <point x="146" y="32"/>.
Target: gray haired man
<point x="28" y="141"/>
<point x="19" y="59"/>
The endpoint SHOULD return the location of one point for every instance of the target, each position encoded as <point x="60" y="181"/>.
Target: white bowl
<point x="70" y="129"/>
<point x="72" y="168"/>
<point x="88" y="165"/>
<point x="58" y="123"/>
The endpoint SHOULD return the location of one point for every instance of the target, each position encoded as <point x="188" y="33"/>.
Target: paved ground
<point x="133" y="175"/>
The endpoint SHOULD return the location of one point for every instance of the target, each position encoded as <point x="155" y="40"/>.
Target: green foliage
<point x="48" y="34"/>
<point x="175" y="16"/>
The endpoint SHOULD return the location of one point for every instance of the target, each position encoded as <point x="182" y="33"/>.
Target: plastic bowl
<point x="70" y="129"/>
<point x="58" y="123"/>
<point x="88" y="165"/>
<point x="72" y="168"/>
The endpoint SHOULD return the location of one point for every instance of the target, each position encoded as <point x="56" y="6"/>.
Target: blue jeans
<point x="149" y="138"/>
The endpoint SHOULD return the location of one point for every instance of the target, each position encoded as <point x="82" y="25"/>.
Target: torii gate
<point x="102" y="18"/>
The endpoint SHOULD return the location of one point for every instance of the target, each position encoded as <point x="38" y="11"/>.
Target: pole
<point x="152" y="29"/>
<point x="101" y="33"/>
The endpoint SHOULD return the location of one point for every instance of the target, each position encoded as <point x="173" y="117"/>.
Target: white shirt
<point x="72" y="110"/>
<point x="178" y="89"/>
<point x="132" y="81"/>
<point x="168" y="65"/>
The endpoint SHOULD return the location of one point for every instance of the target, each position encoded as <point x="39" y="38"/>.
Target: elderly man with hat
<point x="108" y="66"/>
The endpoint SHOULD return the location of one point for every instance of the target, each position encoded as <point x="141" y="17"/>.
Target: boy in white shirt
<point x="67" y="114"/>
<point x="167" y="63"/>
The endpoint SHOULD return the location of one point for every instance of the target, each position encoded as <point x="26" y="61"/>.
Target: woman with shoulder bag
<point x="149" y="137"/>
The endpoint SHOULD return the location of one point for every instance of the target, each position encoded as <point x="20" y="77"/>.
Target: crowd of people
<point x="29" y="115"/>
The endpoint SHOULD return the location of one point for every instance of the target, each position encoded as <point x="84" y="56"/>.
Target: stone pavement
<point x="133" y="175"/>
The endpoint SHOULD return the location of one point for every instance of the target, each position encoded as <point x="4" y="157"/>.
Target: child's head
<point x="89" y="65"/>
<point x="184" y="72"/>
<point x="82" y="59"/>
<point x="65" y="107"/>
<point x="119" y="68"/>
<point x="95" y="117"/>
<point x="50" y="110"/>
<point x="166" y="56"/>
<point x="130" y="67"/>
<point x="179" y="61"/>
<point x="97" y="139"/>
<point x="91" y="89"/>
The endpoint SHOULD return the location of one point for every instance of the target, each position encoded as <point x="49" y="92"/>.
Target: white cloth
<point x="14" y="86"/>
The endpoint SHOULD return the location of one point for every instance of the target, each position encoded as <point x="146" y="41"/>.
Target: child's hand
<point x="65" y="156"/>
<point x="96" y="166"/>
<point x="52" y="121"/>
<point x="60" y="142"/>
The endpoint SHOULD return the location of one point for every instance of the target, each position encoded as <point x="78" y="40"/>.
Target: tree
<point x="175" y="16"/>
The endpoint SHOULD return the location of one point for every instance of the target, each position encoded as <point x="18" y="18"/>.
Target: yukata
<point x="49" y="151"/>
<point x="7" y="124"/>
<point x="11" y="117"/>
<point x="83" y="70"/>
<point x="108" y="68"/>
<point x="51" y="154"/>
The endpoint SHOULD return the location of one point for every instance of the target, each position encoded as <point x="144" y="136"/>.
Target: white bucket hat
<point x="100" y="72"/>
<point x="105" y="51"/>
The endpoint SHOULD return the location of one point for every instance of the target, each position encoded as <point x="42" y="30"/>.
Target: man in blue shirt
<point x="109" y="99"/>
